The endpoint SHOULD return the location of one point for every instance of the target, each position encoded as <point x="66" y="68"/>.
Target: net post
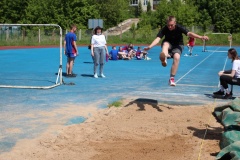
<point x="230" y="40"/>
<point x="61" y="41"/>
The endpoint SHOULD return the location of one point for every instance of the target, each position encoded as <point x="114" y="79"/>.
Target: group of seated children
<point x="127" y="53"/>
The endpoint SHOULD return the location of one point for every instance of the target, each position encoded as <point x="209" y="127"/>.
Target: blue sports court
<point x="26" y="113"/>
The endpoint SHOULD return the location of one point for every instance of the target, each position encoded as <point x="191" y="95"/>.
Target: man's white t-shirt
<point x="98" y="40"/>
<point x="236" y="67"/>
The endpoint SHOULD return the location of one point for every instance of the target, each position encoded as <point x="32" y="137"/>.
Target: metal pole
<point x="80" y="34"/>
<point x="61" y="80"/>
<point x="39" y="37"/>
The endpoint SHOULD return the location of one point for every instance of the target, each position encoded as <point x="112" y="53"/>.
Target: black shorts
<point x="175" y="49"/>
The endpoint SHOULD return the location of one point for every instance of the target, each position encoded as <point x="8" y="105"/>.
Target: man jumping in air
<point x="172" y="44"/>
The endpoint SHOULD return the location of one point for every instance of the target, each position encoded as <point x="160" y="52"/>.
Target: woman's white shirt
<point x="98" y="40"/>
<point x="236" y="67"/>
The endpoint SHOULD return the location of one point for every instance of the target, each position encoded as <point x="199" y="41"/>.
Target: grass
<point x="52" y="38"/>
<point x="115" y="104"/>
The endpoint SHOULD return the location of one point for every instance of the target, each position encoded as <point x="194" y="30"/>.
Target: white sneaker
<point x="171" y="82"/>
<point x="95" y="75"/>
<point x="102" y="75"/>
<point x="148" y="58"/>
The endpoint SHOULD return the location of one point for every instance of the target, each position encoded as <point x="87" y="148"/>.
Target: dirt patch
<point x="140" y="129"/>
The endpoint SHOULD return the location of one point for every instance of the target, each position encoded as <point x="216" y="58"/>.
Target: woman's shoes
<point x="219" y="93"/>
<point x="227" y="96"/>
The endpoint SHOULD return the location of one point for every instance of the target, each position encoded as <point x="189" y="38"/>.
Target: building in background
<point x="143" y="2"/>
<point x="155" y="3"/>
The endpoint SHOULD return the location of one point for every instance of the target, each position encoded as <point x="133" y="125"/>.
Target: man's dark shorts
<point x="175" y="49"/>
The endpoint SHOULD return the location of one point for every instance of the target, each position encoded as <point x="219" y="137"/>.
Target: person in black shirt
<point x="172" y="44"/>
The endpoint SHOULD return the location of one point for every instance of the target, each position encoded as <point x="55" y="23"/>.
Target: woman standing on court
<point x="98" y="51"/>
<point x="229" y="76"/>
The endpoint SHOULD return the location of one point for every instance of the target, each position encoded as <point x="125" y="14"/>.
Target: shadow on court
<point x="211" y="96"/>
<point x="142" y="102"/>
<point x="214" y="133"/>
<point x="87" y="75"/>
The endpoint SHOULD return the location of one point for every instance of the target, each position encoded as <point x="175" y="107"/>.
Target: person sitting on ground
<point x="229" y="76"/>
<point x="122" y="54"/>
<point x="129" y="49"/>
<point x="113" y="53"/>
<point x="140" y="54"/>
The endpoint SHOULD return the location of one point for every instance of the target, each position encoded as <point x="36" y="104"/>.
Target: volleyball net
<point x="25" y="67"/>
<point x="217" y="38"/>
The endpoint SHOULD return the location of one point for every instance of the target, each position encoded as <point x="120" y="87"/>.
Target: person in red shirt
<point x="190" y="45"/>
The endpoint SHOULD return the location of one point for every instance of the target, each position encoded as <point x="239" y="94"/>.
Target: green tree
<point x="221" y="15"/>
<point x="140" y="9"/>
<point x="235" y="16"/>
<point x="149" y="8"/>
<point x="12" y="11"/>
<point x="61" y="12"/>
<point x="112" y="12"/>
<point x="133" y="30"/>
<point x="162" y="12"/>
<point x="205" y="20"/>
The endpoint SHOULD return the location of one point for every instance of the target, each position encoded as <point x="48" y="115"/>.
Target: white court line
<point x="195" y="66"/>
<point x="164" y="93"/>
<point x="215" y="51"/>
<point x="152" y="94"/>
<point x="223" y="69"/>
<point x="196" y="85"/>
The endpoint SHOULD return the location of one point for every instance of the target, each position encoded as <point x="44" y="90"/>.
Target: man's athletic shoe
<point x="171" y="82"/>
<point x="219" y="93"/>
<point x="163" y="59"/>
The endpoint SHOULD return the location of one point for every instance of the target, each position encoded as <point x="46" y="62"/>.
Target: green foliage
<point x="112" y="12"/>
<point x="222" y="15"/>
<point x="133" y="30"/>
<point x="140" y="9"/>
<point x="65" y="13"/>
<point x="115" y="104"/>
<point x="204" y="20"/>
<point x="235" y="16"/>
<point x="149" y="8"/>
<point x="220" y="12"/>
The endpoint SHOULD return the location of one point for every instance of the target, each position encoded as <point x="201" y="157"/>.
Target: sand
<point x="140" y="129"/>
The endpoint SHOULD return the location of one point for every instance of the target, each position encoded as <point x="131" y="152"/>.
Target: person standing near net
<point x="229" y="76"/>
<point x="98" y="51"/>
<point x="172" y="45"/>
<point x="70" y="49"/>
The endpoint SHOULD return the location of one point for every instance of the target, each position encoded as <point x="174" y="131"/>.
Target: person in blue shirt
<point x="70" y="49"/>
<point x="113" y="53"/>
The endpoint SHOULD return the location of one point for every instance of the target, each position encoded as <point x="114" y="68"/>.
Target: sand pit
<point x="139" y="129"/>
